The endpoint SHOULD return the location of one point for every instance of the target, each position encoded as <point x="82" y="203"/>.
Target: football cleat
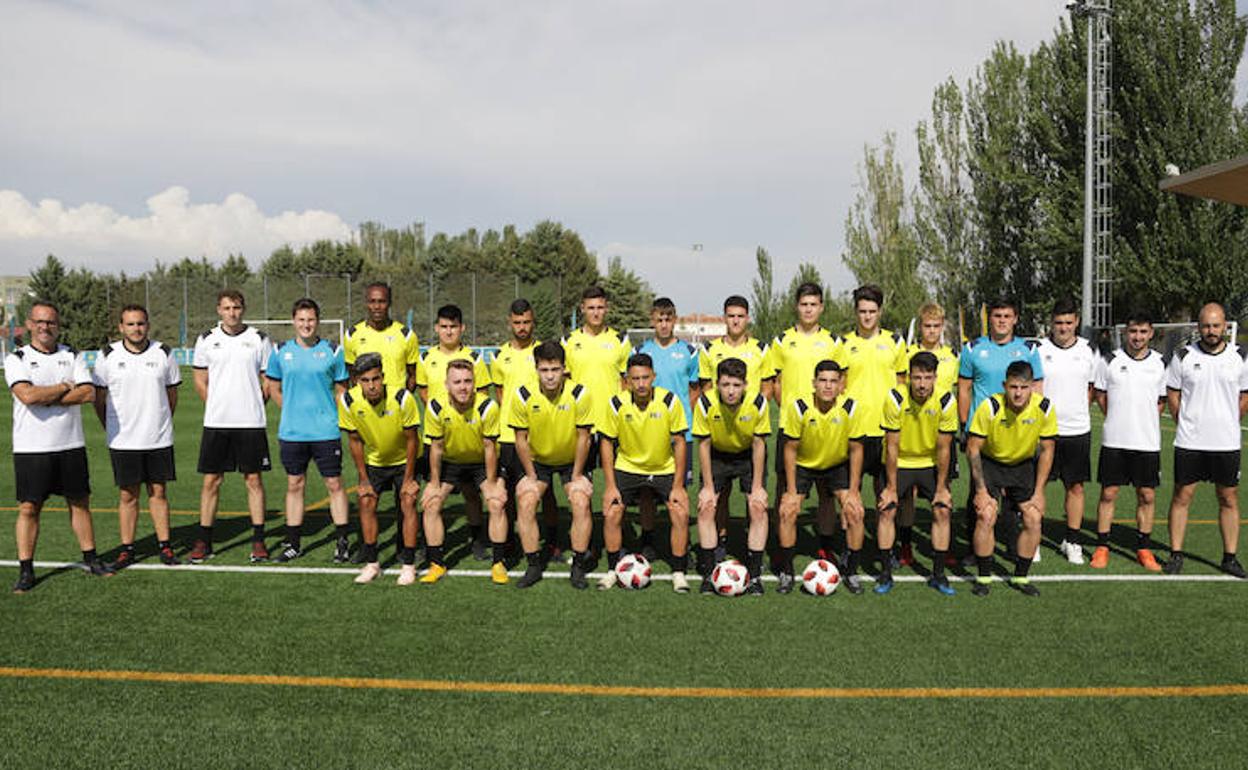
<point x="25" y="582"/>
<point x="853" y="584"/>
<point x="371" y="572"/>
<point x="259" y="552"/>
<point x="882" y="586"/>
<point x="906" y="558"/>
<point x="577" y="577"/>
<point x="168" y="558"/>
<point x="124" y="559"/>
<point x="201" y="552"/>
<point x="1072" y="551"/>
<point x="707" y="586"/>
<point x="608" y="581"/>
<point x="1175" y="565"/>
<point x="99" y="568"/>
<point x="1100" y="557"/>
<point x="754" y="587"/>
<point x="407" y="575"/>
<point x="498" y="574"/>
<point x="1146" y="559"/>
<point x="1024" y="586"/>
<point x="532" y="574"/>
<point x="680" y="584"/>
<point x="1232" y="567"/>
<point x="981" y="586"/>
<point x="785" y="582"/>
<point x="941" y="584"/>
<point x="342" y="551"/>
<point x="287" y="552"/>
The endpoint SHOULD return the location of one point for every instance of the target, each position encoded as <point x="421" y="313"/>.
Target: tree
<point x="766" y="306"/>
<point x="879" y="238"/>
<point x="629" y="297"/>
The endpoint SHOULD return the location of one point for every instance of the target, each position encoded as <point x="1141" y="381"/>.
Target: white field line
<point x="481" y="573"/>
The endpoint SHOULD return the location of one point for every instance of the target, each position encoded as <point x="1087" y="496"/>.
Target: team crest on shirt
<point x="121" y="364"/>
<point x="288" y="356"/>
<point x="562" y="408"/>
<point x="1028" y="420"/>
<point x="656" y="415"/>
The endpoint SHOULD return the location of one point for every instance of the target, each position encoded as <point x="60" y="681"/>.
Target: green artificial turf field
<point x="462" y="674"/>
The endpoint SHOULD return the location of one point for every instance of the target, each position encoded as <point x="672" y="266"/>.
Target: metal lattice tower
<point x="1098" y="207"/>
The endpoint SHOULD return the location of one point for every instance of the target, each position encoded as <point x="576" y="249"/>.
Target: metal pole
<point x="264" y="281"/>
<point x="147" y="293"/>
<point x="431" y="322"/>
<point x="348" y="296"/>
<point x="474" y="308"/>
<point x="1088" y="160"/>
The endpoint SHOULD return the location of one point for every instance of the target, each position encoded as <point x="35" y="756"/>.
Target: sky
<point x="136" y="131"/>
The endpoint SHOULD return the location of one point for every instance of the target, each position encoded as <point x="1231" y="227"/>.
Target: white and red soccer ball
<point x="730" y="578"/>
<point x="821" y="577"/>
<point x="633" y="571"/>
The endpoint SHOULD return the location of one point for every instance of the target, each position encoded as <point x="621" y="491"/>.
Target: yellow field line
<point x="621" y="691"/>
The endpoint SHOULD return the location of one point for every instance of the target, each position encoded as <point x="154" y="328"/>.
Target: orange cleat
<point x="1100" y="557"/>
<point x="1147" y="560"/>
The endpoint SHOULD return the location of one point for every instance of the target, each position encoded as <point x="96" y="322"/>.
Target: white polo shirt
<point x="1209" y="386"/>
<point x="137" y="414"/>
<point x="1068" y="372"/>
<point x="54" y="428"/>
<point x="1132" y="388"/>
<point x="235" y="364"/>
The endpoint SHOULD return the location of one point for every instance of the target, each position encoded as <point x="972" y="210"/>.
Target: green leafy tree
<point x="629" y="297"/>
<point x="767" y="307"/>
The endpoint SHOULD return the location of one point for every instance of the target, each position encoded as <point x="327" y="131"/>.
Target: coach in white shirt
<point x="1207" y="387"/>
<point x="49" y="382"/>
<point x="1069" y="366"/>
<point x="1130" y="389"/>
<point x="229" y="362"/>
<point x="136" y="391"/>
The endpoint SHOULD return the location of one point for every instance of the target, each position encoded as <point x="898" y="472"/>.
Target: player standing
<point x="1130" y="388"/>
<point x="1001" y="447"/>
<point x="49" y="382"/>
<point x="920" y="424"/>
<point x="229" y="362"/>
<point x="378" y="333"/>
<point x="382" y="426"/>
<point x="463" y="456"/>
<point x="643" y="452"/>
<point x="596" y="358"/>
<point x="552" y="425"/>
<point x="1070" y="368"/>
<point x="307" y="375"/>
<point x="136" y="392"/>
<point x="1207" y="390"/>
<point x="732" y="424"/>
<point x="823" y="448"/>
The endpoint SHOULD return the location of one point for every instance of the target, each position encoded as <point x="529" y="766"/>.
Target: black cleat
<point x="1232" y="567"/>
<point x="25" y="582"/>
<point x="1024" y="586"/>
<point x="168" y="558"/>
<point x="577" y="578"/>
<point x="785" y="582"/>
<point x="721" y="553"/>
<point x="287" y="552"/>
<point x="200" y="552"/>
<point x="853" y="584"/>
<point x="1175" y="565"/>
<point x="259" y="552"/>
<point x="707" y="586"/>
<point x="754" y="587"/>
<point x="980" y="588"/>
<point x="99" y="568"/>
<point x="531" y="575"/>
<point x="357" y="557"/>
<point x="342" y="551"/>
<point x="124" y="559"/>
<point x="480" y="551"/>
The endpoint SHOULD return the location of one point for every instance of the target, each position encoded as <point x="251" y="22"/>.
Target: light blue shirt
<point x="309" y="409"/>
<point x="675" y="369"/>
<point x="984" y="363"/>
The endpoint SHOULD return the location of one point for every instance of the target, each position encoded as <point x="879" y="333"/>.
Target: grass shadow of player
<point x="226" y="534"/>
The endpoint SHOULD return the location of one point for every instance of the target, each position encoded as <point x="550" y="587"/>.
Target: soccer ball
<point x="729" y="578"/>
<point x="633" y="570"/>
<point x="821" y="577"/>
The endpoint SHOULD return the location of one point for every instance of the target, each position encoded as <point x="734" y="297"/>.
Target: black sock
<point x="436" y="555"/>
<point x="886" y="567"/>
<point x="938" y="563"/>
<point x="294" y="535"/>
<point x="647" y="537"/>
<point x="163" y="544"/>
<point x="1021" y="567"/>
<point x="1227" y="556"/>
<point x="706" y="560"/>
<point x="786" y="559"/>
<point x="905" y="535"/>
<point x="257" y="533"/>
<point x="678" y="562"/>
<point x="499" y="551"/>
<point x="1143" y="540"/>
<point x="342" y="530"/>
<point x="407" y="555"/>
<point x="205" y="534"/>
<point x="985" y="565"/>
<point x="1102" y="538"/>
<point x="754" y="563"/>
<point x="370" y="553"/>
<point x="827" y="542"/>
<point x="26" y="566"/>
<point x="128" y="547"/>
<point x="89" y="556"/>
<point x="1072" y="535"/>
<point x="534" y="558"/>
<point x="851" y="561"/>
<point x="551" y="535"/>
<point x="1174" y="553"/>
<point x="613" y="558"/>
<point x="474" y="532"/>
<point x="580" y="558"/>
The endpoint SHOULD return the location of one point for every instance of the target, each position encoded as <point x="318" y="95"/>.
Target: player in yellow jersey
<point x="1001" y="446"/>
<point x="731" y="424"/>
<point x="794" y="355"/>
<point x="643" y="452"/>
<point x="931" y="340"/>
<point x="823" y="449"/>
<point x="463" y="456"/>
<point x="759" y="375"/>
<point x="552" y="424"/>
<point x="378" y="333"/>
<point x="919" y="423"/>
<point x="596" y="357"/>
<point x="382" y="424"/>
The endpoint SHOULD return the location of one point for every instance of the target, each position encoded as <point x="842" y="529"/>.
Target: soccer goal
<point x="282" y="329"/>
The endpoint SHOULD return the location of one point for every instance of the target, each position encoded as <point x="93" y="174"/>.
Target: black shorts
<point x="828" y="479"/>
<point x="39" y="475"/>
<point x="546" y="473"/>
<point x="953" y="462"/>
<point x="1194" y="465"/>
<point x="1072" y="459"/>
<point x="781" y="440"/>
<point x="386" y="478"/>
<point x="923" y="480"/>
<point x="1119" y="467"/>
<point x="245" y="450"/>
<point x="872" y="456"/>
<point x="632" y="484"/>
<point x="132" y="467"/>
<point x="726" y="466"/>
<point x="591" y="460"/>
<point x="297" y="454"/>
<point x="509" y="466"/>
<point x="461" y="475"/>
<point x="1016" y="483"/>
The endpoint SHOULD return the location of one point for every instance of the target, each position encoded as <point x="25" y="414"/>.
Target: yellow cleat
<point x="498" y="574"/>
<point x="433" y="574"/>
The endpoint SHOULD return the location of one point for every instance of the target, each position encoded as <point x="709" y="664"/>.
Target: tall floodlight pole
<point x="1097" y="182"/>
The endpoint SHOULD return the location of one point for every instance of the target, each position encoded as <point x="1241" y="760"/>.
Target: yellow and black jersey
<point x="552" y="425"/>
<point x="382" y="426"/>
<point x="511" y="368"/>
<point x="946" y="366"/>
<point x="644" y="435"/>
<point x="396" y="344"/>
<point x="463" y="434"/>
<point x="919" y="424"/>
<point x="431" y="372"/>
<point x="754" y="354"/>
<point x="794" y="356"/>
<point x="822" y="437"/>
<point x="597" y="361"/>
<point x="731" y="430"/>
<point x="1009" y="437"/>
<point x="871" y="366"/>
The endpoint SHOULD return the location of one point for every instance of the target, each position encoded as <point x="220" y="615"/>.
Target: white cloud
<point x="173" y="227"/>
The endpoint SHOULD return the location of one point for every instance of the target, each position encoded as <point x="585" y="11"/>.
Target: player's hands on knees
<point x="434" y="493"/>
<point x="581" y="485"/>
<point x="526" y="486"/>
<point x="611" y="498"/>
<point x="678" y="499"/>
<point x="364" y="489"/>
<point x="943" y="499"/>
<point x="887" y="501"/>
<point x="985" y="503"/>
<point x="707" y="499"/>
<point x="758" y="497"/>
<point x="852" y="506"/>
<point x="790" y="502"/>
<point x="411" y="488"/>
<point x="495" y="492"/>
<point x="1034" y="506"/>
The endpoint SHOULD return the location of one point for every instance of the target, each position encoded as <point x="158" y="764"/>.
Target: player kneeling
<point x="1001" y="446"/>
<point x="382" y="423"/>
<point x="643" y="452"/>
<point x="552" y="437"/>
<point x="463" y="456"/>
<point x="731" y="426"/>
<point x="823" y="449"/>
<point x="919" y="426"/>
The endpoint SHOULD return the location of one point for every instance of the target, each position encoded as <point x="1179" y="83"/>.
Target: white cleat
<point x="1072" y="552"/>
<point x="679" y="584"/>
<point x="407" y="575"/>
<point x="371" y="572"/>
<point x="608" y="581"/>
